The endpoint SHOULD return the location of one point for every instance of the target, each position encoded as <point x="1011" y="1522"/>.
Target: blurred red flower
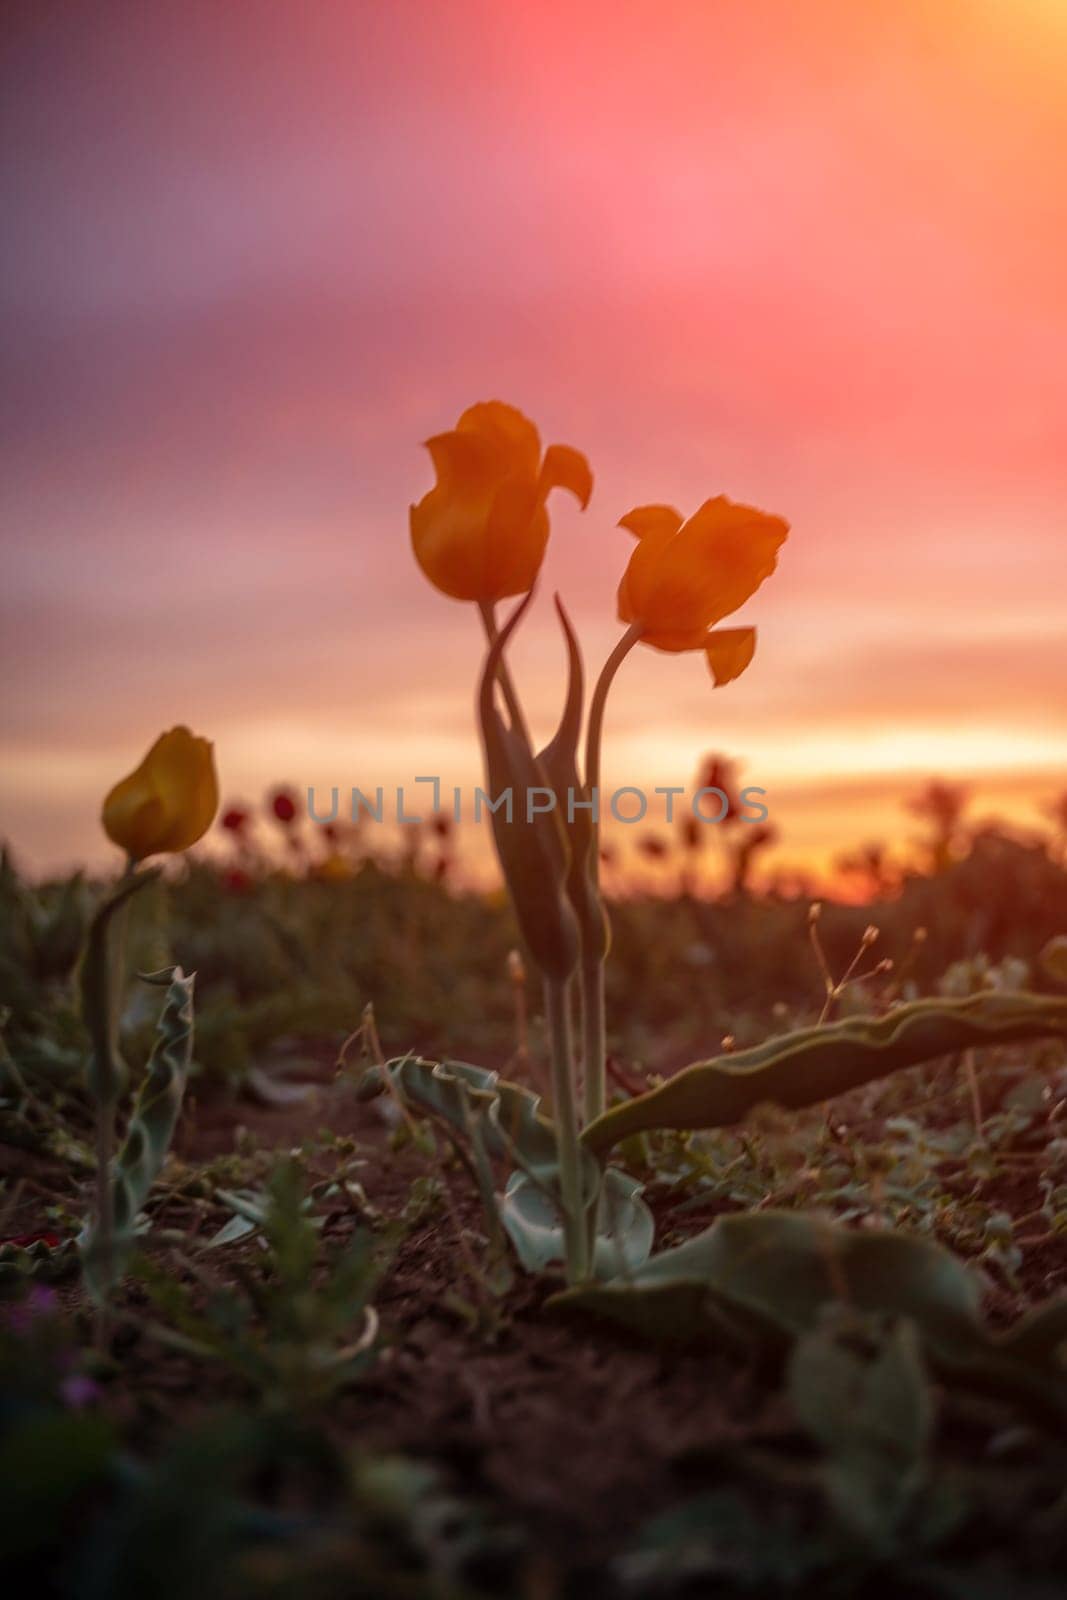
<point x="692" y="833"/>
<point x="719" y="772"/>
<point x="284" y="805"/>
<point x="235" y="820"/>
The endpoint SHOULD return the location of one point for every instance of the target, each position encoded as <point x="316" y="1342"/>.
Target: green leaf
<point x="101" y="990"/>
<point x="726" y="1542"/>
<point x="769" y="1274"/>
<point x="276" y="1091"/>
<point x="515" y="1128"/>
<point x="812" y="1064"/>
<point x="778" y="1268"/>
<point x="859" y="1389"/>
<point x="251" y="1204"/>
<point x="512" y="1128"/>
<point x="41" y="1261"/>
<point x="151" y="1127"/>
<point x="624" y="1229"/>
<point x="238" y="1227"/>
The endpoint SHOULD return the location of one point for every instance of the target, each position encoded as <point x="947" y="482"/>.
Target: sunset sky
<point x="813" y="256"/>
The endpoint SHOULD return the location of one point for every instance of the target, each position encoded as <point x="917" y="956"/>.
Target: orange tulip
<point x="168" y="802"/>
<point x="480" y="533"/>
<point x="683" y="577"/>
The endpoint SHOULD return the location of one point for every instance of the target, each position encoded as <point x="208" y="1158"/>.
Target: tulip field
<point x="364" y="1233"/>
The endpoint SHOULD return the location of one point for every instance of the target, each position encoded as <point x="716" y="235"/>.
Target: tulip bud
<point x="531" y="845"/>
<point x="559" y="761"/>
<point x="168" y="802"/>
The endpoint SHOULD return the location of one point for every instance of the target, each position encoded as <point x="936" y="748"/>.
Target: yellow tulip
<point x="683" y="577"/>
<point x="480" y="533"/>
<point x="168" y="802"/>
<point x="334" y="868"/>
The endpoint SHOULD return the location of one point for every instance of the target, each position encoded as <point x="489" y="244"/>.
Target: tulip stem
<point x="557" y="1007"/>
<point x="594" y="1039"/>
<point x="594" y="1028"/>
<point x="504" y="678"/>
<point x="106" y="1108"/>
<point x="118" y="931"/>
<point x="105" y="1218"/>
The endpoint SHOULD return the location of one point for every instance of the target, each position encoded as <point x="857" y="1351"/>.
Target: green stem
<point x="117" y="949"/>
<point x="566" y="1120"/>
<point x="593" y="1008"/>
<point x="105" y="1216"/>
<point x="511" y="698"/>
<point x="106" y="1108"/>
<point x="594" y="1039"/>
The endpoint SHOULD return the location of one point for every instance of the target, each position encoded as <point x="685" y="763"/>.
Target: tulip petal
<point x="202" y="802"/>
<point x="729" y="551"/>
<point x="729" y="651"/>
<point x="511" y="437"/>
<point x="653" y="559"/>
<point x="448" y="538"/>
<point x="463" y="462"/>
<point x="183" y="771"/>
<point x="133" y="815"/>
<point x="659" y="521"/>
<point x="672" y="640"/>
<point x="564" y="468"/>
<point x="516" y="533"/>
<point x="448" y="524"/>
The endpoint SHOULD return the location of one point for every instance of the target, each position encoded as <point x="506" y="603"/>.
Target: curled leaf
<point x="512" y="1128"/>
<point x="622" y="1239"/>
<point x="515" y="1127"/>
<point x="812" y="1064"/>
<point x="151" y="1127"/>
<point x="40" y="1260"/>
